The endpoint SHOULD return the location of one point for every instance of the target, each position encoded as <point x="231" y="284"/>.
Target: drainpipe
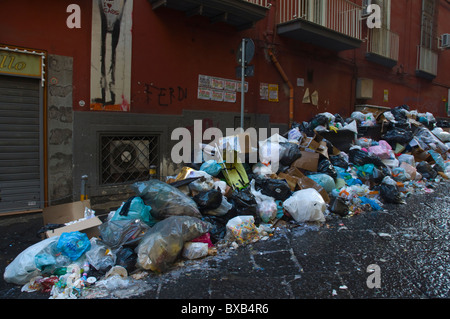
<point x="286" y="80"/>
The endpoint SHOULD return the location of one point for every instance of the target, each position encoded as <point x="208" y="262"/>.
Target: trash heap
<point x="299" y="177"/>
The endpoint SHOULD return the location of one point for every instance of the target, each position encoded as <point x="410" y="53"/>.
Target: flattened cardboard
<point x="64" y="213"/>
<point x="308" y="161"/>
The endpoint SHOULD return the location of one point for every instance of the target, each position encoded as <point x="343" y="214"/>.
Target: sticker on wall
<point x="273" y="92"/>
<point x="218" y="89"/>
<point x="386" y="96"/>
<point x="111" y="55"/>
<point x="264" y="91"/>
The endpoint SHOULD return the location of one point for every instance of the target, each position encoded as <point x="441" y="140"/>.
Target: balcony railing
<point x="342" y="16"/>
<point x="427" y="63"/>
<point x="262" y="3"/>
<point x="383" y="46"/>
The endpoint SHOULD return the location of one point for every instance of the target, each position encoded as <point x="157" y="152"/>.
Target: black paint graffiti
<point x="164" y="96"/>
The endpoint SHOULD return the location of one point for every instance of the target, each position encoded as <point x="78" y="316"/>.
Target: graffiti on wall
<point x="111" y="55"/>
<point x="162" y="96"/>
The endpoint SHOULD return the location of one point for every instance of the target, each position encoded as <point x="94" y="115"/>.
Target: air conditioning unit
<point x="445" y="41"/>
<point x="129" y="156"/>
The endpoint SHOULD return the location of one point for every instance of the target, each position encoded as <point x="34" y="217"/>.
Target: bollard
<point x="83" y="195"/>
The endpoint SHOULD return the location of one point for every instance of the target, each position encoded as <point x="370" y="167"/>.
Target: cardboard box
<point x="308" y="161"/>
<point x="65" y="213"/>
<point x="304" y="182"/>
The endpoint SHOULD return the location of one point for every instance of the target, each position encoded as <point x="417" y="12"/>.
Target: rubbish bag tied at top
<point x="165" y="200"/>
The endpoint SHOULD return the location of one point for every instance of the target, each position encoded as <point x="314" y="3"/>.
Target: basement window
<point x="127" y="158"/>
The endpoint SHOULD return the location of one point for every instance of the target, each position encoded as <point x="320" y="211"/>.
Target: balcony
<point x="383" y="47"/>
<point x="334" y="25"/>
<point x="242" y="14"/>
<point x="427" y="62"/>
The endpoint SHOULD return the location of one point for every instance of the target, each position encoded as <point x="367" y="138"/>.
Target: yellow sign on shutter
<point x="18" y="63"/>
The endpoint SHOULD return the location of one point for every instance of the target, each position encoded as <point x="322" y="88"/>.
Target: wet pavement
<point x="409" y="244"/>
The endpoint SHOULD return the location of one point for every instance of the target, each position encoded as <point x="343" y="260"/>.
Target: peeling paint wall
<point x="60" y="129"/>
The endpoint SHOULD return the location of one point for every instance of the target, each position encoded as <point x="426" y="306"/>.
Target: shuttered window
<point x="20" y="155"/>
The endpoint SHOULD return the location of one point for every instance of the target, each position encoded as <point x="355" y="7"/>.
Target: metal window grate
<point x="127" y="158"/>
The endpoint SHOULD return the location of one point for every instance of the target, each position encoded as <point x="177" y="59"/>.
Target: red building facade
<point x="310" y="56"/>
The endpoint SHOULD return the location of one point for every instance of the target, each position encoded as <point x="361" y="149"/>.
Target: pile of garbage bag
<point x="300" y="177"/>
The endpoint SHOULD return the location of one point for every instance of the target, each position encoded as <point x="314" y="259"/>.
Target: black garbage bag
<point x="359" y="158"/>
<point x="426" y="170"/>
<point x="289" y="152"/>
<point x="339" y="206"/>
<point x="244" y="203"/>
<point x="208" y="200"/>
<point x="339" y="161"/>
<point x="389" y="192"/>
<point x="276" y="188"/>
<point x="399" y="113"/>
<point x="326" y="167"/>
<point x="219" y="223"/>
<point x="398" y="135"/>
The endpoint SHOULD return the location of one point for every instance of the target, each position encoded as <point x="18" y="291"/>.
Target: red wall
<point x="170" y="51"/>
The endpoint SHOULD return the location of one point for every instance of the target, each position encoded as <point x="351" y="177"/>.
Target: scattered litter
<point x="327" y="166"/>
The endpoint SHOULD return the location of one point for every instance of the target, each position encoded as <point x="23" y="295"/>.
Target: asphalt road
<point x="407" y="245"/>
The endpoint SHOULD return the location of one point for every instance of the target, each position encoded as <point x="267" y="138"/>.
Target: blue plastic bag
<point x="211" y="167"/>
<point x="73" y="244"/>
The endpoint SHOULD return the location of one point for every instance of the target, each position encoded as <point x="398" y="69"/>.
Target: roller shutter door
<point x="20" y="144"/>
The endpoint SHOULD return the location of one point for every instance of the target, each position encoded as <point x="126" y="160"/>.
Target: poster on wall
<point x="218" y="89"/>
<point x="111" y="55"/>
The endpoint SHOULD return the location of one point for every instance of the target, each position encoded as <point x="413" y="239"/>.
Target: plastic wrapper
<point x="73" y="244"/>
<point x="306" y="205"/>
<point x="406" y="158"/>
<point x="294" y="134"/>
<point x="165" y="199"/>
<point x="116" y="233"/>
<point x="163" y="243"/>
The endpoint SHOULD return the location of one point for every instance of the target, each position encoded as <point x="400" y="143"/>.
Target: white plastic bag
<point x="23" y="267"/>
<point x="306" y="205"/>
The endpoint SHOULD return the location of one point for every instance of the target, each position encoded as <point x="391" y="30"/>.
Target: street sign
<point x="249" y="51"/>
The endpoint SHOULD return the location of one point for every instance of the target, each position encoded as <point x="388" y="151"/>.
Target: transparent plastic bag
<point x="163" y="243"/>
<point x="165" y="200"/>
<point x="100" y="256"/>
<point x="116" y="233"/>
